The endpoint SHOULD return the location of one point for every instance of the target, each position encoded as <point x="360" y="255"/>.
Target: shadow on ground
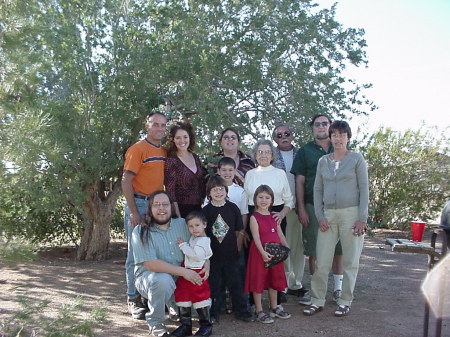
<point x="387" y="301"/>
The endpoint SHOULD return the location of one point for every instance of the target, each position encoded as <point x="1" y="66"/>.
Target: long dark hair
<point x="183" y="125"/>
<point x="148" y="219"/>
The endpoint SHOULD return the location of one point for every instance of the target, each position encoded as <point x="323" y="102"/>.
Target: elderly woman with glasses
<point x="266" y="174"/>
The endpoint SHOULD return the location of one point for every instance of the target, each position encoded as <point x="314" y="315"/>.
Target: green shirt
<point x="305" y="164"/>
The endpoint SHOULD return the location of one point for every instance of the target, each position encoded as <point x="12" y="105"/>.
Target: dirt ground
<point x="388" y="300"/>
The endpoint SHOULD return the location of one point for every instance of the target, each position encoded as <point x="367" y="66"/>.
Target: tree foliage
<point x="78" y="79"/>
<point x="408" y="174"/>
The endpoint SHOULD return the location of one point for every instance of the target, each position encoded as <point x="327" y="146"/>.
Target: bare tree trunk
<point x="99" y="212"/>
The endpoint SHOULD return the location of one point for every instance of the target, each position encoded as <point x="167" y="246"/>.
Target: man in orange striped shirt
<point x="143" y="173"/>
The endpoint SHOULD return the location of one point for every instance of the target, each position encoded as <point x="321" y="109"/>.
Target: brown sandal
<point x="342" y="310"/>
<point x="312" y="310"/>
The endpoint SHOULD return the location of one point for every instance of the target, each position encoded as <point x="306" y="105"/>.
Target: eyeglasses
<point x="285" y="133"/>
<point x="160" y="204"/>
<point x="218" y="189"/>
<point x="339" y="135"/>
<point x="229" y="137"/>
<point x="267" y="153"/>
<point x="317" y="124"/>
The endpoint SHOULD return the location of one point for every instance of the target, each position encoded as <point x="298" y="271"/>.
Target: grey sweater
<point x="341" y="184"/>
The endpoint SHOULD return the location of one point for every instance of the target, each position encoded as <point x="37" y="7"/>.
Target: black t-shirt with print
<point x="223" y="223"/>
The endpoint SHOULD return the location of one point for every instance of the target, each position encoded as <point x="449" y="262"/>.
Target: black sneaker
<point x="245" y="316"/>
<point x="136" y="308"/>
<point x="298" y="292"/>
<point x="302" y="292"/>
<point x="281" y="297"/>
<point x="292" y="292"/>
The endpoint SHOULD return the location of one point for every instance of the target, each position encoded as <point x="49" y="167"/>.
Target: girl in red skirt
<point x="264" y="229"/>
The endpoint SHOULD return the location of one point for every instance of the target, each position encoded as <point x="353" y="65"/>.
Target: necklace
<point x="219" y="204"/>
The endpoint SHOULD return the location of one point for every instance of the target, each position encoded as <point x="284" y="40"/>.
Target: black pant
<point x="447" y="233"/>
<point x="229" y="274"/>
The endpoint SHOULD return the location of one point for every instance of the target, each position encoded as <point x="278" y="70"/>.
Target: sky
<point x="409" y="59"/>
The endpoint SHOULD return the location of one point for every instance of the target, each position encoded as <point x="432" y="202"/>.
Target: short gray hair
<point x="278" y="125"/>
<point x="263" y="141"/>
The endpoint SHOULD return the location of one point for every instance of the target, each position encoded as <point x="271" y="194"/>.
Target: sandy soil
<point x="388" y="301"/>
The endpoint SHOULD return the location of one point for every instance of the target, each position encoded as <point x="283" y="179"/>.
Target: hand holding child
<point x="180" y="241"/>
<point x="205" y="270"/>
<point x="192" y="276"/>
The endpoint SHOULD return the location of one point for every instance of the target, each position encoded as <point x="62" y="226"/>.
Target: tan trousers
<point x="341" y="224"/>
<point x="294" y="266"/>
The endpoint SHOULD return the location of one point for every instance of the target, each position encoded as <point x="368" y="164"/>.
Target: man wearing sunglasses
<point x="295" y="264"/>
<point x="304" y="168"/>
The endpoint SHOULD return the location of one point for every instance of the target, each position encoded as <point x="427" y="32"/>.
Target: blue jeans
<point x="158" y="288"/>
<point x="142" y="206"/>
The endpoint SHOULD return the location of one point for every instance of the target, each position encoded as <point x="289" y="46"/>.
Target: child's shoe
<point x="280" y="313"/>
<point x="263" y="318"/>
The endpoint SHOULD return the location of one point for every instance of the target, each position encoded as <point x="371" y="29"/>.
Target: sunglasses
<point x="285" y="133"/>
<point x="317" y="124"/>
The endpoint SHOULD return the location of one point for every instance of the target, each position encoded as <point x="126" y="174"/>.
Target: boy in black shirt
<point x="226" y="233"/>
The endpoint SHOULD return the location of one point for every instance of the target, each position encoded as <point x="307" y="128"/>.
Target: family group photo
<point x="200" y="168"/>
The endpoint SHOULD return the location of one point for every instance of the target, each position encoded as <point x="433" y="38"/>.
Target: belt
<point x="141" y="196"/>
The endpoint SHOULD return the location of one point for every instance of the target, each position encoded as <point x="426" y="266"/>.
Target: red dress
<point x="259" y="278"/>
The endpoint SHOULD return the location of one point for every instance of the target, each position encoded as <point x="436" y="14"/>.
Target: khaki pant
<point x="341" y="224"/>
<point x="294" y="266"/>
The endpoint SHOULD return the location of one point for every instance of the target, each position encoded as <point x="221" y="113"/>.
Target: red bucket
<point x="417" y="229"/>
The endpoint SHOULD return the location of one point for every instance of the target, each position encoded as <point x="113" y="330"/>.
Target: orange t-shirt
<point x="146" y="161"/>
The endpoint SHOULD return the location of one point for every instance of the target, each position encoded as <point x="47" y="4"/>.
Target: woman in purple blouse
<point x="184" y="175"/>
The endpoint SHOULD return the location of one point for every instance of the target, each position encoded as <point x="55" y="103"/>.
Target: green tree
<point x="78" y="79"/>
<point x="408" y="174"/>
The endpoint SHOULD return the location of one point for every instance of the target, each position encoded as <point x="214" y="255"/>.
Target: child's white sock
<point x="337" y="282"/>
